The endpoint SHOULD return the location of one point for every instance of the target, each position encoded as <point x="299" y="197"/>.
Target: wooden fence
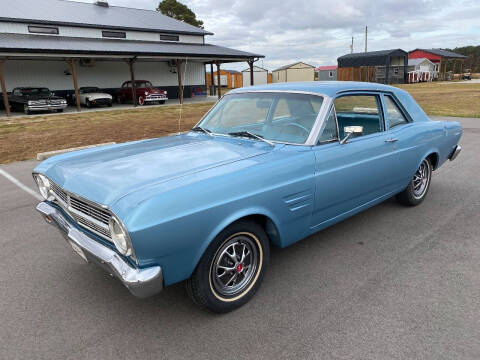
<point x="362" y="73"/>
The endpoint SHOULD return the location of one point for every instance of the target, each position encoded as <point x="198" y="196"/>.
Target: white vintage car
<point x="93" y="96"/>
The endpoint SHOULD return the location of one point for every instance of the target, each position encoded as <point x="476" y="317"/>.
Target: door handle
<point x="391" y="140"/>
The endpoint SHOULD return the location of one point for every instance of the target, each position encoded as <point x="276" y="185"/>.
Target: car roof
<point x="329" y="88"/>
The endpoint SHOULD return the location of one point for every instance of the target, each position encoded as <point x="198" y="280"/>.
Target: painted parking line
<point x="22" y="186"/>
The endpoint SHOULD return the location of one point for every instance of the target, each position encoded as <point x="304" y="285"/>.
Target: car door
<point x="354" y="174"/>
<point x="403" y="141"/>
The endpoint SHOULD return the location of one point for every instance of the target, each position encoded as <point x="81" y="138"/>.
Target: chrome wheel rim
<point x="234" y="265"/>
<point x="421" y="180"/>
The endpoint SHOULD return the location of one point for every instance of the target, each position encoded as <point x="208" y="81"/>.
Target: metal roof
<point x="371" y="58"/>
<point x="415" y="62"/>
<point x="442" y="53"/>
<point x="327" y="68"/>
<point x="63" y="12"/>
<point x="43" y="44"/>
<point x="290" y="65"/>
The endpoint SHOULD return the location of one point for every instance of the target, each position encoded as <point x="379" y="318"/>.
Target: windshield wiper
<point x="251" y="136"/>
<point x="206" y="131"/>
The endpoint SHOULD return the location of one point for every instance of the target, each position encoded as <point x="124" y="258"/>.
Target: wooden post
<point x="4" y="89"/>
<point x="219" y="91"/>
<point x="130" y="63"/>
<point x="461" y="69"/>
<point x="180" y="86"/>
<point x="250" y="63"/>
<point x="73" y="67"/>
<point x="211" y="80"/>
<point x="206" y="82"/>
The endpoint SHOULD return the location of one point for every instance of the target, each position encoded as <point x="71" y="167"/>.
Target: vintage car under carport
<point x="63" y="45"/>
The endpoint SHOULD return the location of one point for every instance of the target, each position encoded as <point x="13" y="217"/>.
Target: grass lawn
<point x="447" y="98"/>
<point x="22" y="138"/>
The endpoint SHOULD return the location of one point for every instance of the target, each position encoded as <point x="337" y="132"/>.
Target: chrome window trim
<point x="314" y="132"/>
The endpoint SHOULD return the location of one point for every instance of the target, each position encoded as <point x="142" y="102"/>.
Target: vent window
<point x="43" y="30"/>
<point x="168" y="37"/>
<point x="114" y="34"/>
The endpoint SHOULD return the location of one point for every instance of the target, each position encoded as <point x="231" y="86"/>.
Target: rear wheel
<point x="232" y="268"/>
<point x="417" y="188"/>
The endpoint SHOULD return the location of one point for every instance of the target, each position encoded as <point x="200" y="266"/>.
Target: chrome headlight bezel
<point x="43" y="185"/>
<point x="120" y="237"/>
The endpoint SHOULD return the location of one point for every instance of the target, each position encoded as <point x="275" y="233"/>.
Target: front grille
<point x="91" y="225"/>
<point x="59" y="192"/>
<point x="90" y="216"/>
<point x="96" y="213"/>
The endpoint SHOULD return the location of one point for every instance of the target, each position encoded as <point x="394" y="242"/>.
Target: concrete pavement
<point x="389" y="283"/>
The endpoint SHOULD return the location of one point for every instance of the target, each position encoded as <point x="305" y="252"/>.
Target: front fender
<point x="237" y="215"/>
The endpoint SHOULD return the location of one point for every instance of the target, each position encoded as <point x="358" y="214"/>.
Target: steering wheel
<point x="299" y="126"/>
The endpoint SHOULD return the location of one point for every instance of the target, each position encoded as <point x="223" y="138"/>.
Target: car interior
<point x="359" y="110"/>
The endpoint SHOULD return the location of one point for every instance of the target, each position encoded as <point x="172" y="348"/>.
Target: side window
<point x="329" y="132"/>
<point x="394" y="115"/>
<point x="359" y="110"/>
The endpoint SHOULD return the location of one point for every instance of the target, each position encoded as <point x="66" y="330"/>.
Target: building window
<point x="395" y="71"/>
<point x="330" y="73"/>
<point x="168" y="37"/>
<point x="43" y="30"/>
<point x="114" y="34"/>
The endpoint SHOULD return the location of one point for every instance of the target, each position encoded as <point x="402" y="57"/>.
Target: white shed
<point x="260" y="76"/>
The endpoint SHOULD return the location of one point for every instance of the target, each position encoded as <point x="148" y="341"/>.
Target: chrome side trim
<point x="140" y="282"/>
<point x="455" y="152"/>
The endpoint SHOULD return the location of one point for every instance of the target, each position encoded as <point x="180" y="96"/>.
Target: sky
<point x="317" y="32"/>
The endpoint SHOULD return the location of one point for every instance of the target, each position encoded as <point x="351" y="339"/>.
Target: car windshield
<point x="87" y="90"/>
<point x="276" y="116"/>
<point x="35" y="91"/>
<point x="143" y="84"/>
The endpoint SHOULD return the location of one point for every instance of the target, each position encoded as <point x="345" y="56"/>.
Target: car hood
<point x="155" y="91"/>
<point x="104" y="175"/>
<point x="42" y="97"/>
<point x="97" y="95"/>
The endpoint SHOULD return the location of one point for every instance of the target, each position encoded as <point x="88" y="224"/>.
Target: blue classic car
<point x="266" y="166"/>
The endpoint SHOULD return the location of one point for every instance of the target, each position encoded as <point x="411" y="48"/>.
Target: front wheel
<point x="418" y="187"/>
<point x="26" y="110"/>
<point x="231" y="269"/>
<point x="141" y="101"/>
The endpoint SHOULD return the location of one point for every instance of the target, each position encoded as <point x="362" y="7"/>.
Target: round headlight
<point x="43" y="186"/>
<point x="146" y="92"/>
<point x="119" y="237"/>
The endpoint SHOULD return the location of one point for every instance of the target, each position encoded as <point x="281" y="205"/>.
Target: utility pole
<point x="366" y="37"/>
<point x="351" y="47"/>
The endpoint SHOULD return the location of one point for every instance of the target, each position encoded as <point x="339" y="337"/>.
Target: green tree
<point x="179" y="11"/>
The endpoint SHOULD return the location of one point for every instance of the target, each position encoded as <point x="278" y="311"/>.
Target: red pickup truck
<point x="146" y="93"/>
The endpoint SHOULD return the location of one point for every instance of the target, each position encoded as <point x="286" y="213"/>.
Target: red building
<point x="440" y="58"/>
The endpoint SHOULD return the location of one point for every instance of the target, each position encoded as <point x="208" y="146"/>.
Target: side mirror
<point x="351" y="130"/>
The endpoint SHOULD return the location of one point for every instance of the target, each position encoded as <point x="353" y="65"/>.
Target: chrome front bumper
<point x="455" y="152"/>
<point x="46" y="107"/>
<point x="141" y="282"/>
<point x="153" y="98"/>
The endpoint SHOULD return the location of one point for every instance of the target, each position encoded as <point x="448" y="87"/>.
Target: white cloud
<point x="319" y="31"/>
